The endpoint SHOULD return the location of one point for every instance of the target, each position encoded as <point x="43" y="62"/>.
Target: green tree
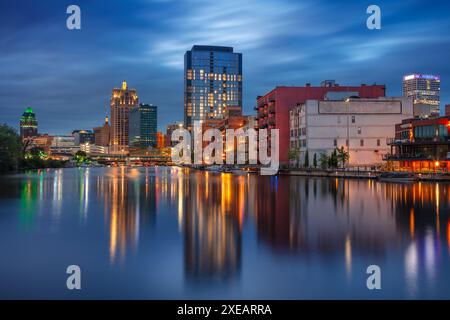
<point x="333" y="160"/>
<point x="306" y="162"/>
<point x="81" y="157"/>
<point x="342" y="156"/>
<point x="323" y="160"/>
<point x="10" y="148"/>
<point x="293" y="154"/>
<point x="315" y="160"/>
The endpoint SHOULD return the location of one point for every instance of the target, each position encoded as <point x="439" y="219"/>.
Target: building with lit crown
<point x="122" y="101"/>
<point x="28" y="124"/>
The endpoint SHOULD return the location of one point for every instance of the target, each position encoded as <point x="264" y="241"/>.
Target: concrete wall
<point x="374" y="123"/>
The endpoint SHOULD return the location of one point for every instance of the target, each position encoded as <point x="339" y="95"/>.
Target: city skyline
<point x="294" y="50"/>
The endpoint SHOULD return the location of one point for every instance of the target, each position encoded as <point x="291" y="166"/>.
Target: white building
<point x="93" y="149"/>
<point x="361" y="126"/>
<point x="64" y="145"/>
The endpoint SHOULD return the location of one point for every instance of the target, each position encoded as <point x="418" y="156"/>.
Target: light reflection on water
<point x="174" y="233"/>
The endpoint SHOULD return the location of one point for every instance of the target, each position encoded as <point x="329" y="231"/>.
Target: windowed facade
<point x="213" y="81"/>
<point x="143" y="126"/>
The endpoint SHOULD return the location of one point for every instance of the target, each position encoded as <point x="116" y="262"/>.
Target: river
<point x="175" y="233"/>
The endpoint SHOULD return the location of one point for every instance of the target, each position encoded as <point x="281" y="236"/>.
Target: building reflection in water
<point x="212" y="225"/>
<point x="129" y="201"/>
<point x="336" y="218"/>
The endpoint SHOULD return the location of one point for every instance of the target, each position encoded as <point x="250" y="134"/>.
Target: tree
<point x="81" y="157"/>
<point x="315" y="160"/>
<point x="306" y="163"/>
<point x="10" y="148"/>
<point x="323" y="160"/>
<point x="333" y="160"/>
<point x="293" y="154"/>
<point x="36" y="153"/>
<point x="342" y="156"/>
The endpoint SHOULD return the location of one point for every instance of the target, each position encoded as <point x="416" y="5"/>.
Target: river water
<point x="174" y="233"/>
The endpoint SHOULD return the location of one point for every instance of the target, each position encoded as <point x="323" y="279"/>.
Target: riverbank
<point x="349" y="174"/>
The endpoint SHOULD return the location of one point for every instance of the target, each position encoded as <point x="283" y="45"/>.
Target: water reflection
<point x="336" y="220"/>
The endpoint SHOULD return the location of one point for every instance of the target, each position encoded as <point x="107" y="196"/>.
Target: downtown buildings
<point x="425" y="90"/>
<point x="273" y="107"/>
<point x="102" y="134"/>
<point x="122" y="101"/>
<point x="143" y="126"/>
<point x="28" y="124"/>
<point x="421" y="145"/>
<point x="212" y="82"/>
<point x="361" y="126"/>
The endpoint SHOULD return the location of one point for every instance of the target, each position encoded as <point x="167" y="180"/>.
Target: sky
<point x="67" y="76"/>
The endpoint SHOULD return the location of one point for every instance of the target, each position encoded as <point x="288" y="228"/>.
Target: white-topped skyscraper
<point x="425" y="90"/>
<point x="212" y="81"/>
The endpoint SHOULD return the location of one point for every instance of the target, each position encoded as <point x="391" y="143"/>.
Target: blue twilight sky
<point x="67" y="76"/>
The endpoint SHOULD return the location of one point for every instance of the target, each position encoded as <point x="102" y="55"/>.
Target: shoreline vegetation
<point x="16" y="156"/>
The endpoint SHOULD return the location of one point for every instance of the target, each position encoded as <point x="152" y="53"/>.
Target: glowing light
<point x="348" y="255"/>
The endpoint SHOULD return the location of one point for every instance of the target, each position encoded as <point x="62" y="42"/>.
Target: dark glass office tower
<point x="143" y="125"/>
<point x="212" y="81"/>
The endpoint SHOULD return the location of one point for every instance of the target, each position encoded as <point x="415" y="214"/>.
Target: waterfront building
<point x="273" y="107"/>
<point x="425" y="91"/>
<point x="28" y="124"/>
<point x="83" y="136"/>
<point x="421" y="145"/>
<point x="143" y="125"/>
<point x="63" y="145"/>
<point x="102" y="134"/>
<point x="361" y="126"/>
<point x="169" y="129"/>
<point x="212" y="82"/>
<point x="92" y="149"/>
<point x="160" y="140"/>
<point x="42" y="141"/>
<point x="122" y="101"/>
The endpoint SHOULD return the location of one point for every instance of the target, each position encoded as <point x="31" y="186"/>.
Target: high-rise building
<point x="273" y="108"/>
<point x="122" y="101"/>
<point x="28" y="124"/>
<point x="102" y="134"/>
<point x="425" y="91"/>
<point x="212" y="82"/>
<point x="143" y="124"/>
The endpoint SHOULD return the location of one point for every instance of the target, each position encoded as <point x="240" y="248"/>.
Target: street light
<point x="347" y="104"/>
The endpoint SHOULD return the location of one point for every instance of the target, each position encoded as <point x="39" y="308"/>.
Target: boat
<point x="397" y="177"/>
<point x="213" y="168"/>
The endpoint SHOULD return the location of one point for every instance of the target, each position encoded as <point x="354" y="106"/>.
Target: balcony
<point x="423" y="142"/>
<point x="408" y="157"/>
